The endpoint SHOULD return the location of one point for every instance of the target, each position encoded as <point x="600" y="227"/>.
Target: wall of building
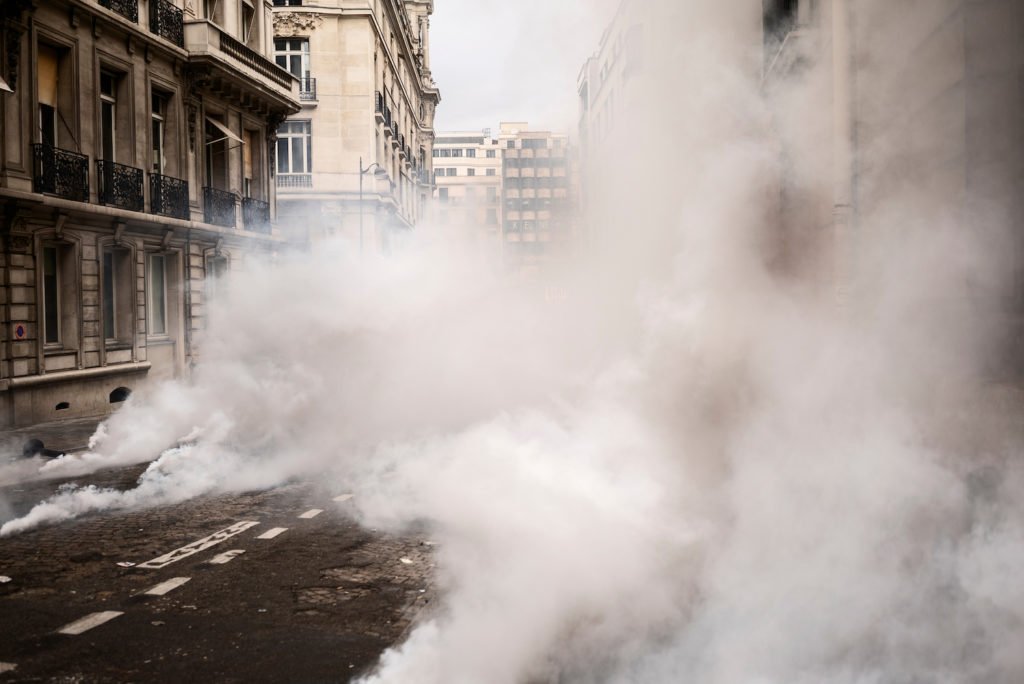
<point x="104" y="269"/>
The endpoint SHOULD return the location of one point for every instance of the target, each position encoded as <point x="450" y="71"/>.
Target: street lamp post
<point x="378" y="172"/>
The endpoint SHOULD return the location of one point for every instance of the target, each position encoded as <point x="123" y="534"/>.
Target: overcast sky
<point x="512" y="60"/>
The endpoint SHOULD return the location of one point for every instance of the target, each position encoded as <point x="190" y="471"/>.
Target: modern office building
<point x="539" y="197"/>
<point x="136" y="139"/>
<point x="357" y="160"/>
<point x="468" y="179"/>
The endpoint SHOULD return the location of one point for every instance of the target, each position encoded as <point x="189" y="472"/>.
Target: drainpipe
<point x="842" y="151"/>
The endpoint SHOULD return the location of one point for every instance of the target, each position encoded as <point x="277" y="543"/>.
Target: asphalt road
<point x="277" y="586"/>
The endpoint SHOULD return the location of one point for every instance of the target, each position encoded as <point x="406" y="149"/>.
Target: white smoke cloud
<point x="694" y="466"/>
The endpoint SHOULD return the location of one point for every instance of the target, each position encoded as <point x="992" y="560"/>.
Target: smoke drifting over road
<point x="694" y="466"/>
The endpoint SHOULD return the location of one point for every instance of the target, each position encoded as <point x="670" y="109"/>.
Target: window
<point x="156" y="282"/>
<point x="491" y="154"/>
<point x="535" y="144"/>
<point x="47" y="69"/>
<point x="444" y="153"/>
<point x="492" y="216"/>
<point x="117" y="291"/>
<point x="470" y="172"/>
<point x="442" y="194"/>
<point x="436" y="153"/>
<point x="492" y="172"/>
<point x="211" y="10"/>
<point x="51" y="296"/>
<point x="292" y="55"/>
<point x="158" y="125"/>
<point x="457" y="152"/>
<point x="108" y="115"/>
<point x="470" y="152"/>
<point x="492" y="194"/>
<point x="248" y="23"/>
<point x="60" y="295"/>
<point x="216" y="269"/>
<point x="295" y="147"/>
<point x="250" y="152"/>
<point x="511" y="144"/>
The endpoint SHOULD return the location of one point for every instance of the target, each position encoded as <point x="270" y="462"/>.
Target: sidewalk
<point x="63" y="435"/>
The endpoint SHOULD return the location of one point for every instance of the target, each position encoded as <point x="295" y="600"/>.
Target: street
<point x="266" y="586"/>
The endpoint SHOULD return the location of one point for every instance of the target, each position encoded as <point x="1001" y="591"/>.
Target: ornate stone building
<point x="136" y="148"/>
<point x="357" y="159"/>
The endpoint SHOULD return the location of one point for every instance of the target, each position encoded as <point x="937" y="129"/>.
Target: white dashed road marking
<point x="270" y="534"/>
<point x="311" y="513"/>
<point x="7" y="667"/>
<point x="197" y="546"/>
<point x="343" y="497"/>
<point x="226" y="556"/>
<point x="88" y="622"/>
<point x="166" y="587"/>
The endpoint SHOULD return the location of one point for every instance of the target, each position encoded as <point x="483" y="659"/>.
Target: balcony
<point x="307" y="89"/>
<point x="129" y="9"/>
<point x="166" y="21"/>
<point x="120" y="185"/>
<point x="237" y="73"/>
<point x="219" y="207"/>
<point x="60" y="172"/>
<point x="256" y="215"/>
<point x="287" y="3"/>
<point x="168" y="196"/>
<point x="294" y="180"/>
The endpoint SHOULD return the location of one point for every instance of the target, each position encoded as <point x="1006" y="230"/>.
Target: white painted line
<point x="197" y="546"/>
<point x="7" y="667"/>
<point x="226" y="556"/>
<point x="166" y="587"/>
<point x="343" y="497"/>
<point x="88" y="622"/>
<point x="311" y="513"/>
<point x="270" y="534"/>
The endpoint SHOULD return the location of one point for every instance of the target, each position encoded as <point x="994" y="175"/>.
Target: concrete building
<point x="468" y="179"/>
<point x="539" y="195"/>
<point x="136" y="139"/>
<point x="357" y="159"/>
<point x="921" y="106"/>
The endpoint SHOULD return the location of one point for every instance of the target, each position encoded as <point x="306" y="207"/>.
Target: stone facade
<point x="135" y="168"/>
<point x="358" y="157"/>
<point x="919" y="105"/>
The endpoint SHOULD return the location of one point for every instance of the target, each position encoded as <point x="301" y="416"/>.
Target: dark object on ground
<point x="34" y="447"/>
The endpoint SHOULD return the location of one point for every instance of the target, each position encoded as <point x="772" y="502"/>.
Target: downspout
<point x="844" y="242"/>
<point x="188" y="301"/>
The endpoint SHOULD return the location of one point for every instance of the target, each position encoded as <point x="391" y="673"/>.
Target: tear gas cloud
<point x="694" y="465"/>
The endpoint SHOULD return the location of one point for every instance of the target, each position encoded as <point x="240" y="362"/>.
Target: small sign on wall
<point x="20" y="331"/>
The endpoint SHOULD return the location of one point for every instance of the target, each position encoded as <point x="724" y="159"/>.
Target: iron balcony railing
<point x="120" y="185"/>
<point x="219" y="207"/>
<point x="307" y="89"/>
<point x="167" y="21"/>
<point x="287" y="3"/>
<point x="168" y="196"/>
<point x="294" y="180"/>
<point x="60" y="172"/>
<point x="129" y="9"/>
<point x="256" y="215"/>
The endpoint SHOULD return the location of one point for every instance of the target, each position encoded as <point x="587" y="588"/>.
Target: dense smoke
<point x="700" y="463"/>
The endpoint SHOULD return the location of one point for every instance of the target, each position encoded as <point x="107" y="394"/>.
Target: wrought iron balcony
<point x="287" y="3"/>
<point x="120" y="185"/>
<point x="60" y="172"/>
<point x="129" y="9"/>
<point x="307" y="89"/>
<point x="219" y="207"/>
<point x="294" y="180"/>
<point x="256" y="215"/>
<point x="168" y="196"/>
<point x="167" y="21"/>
